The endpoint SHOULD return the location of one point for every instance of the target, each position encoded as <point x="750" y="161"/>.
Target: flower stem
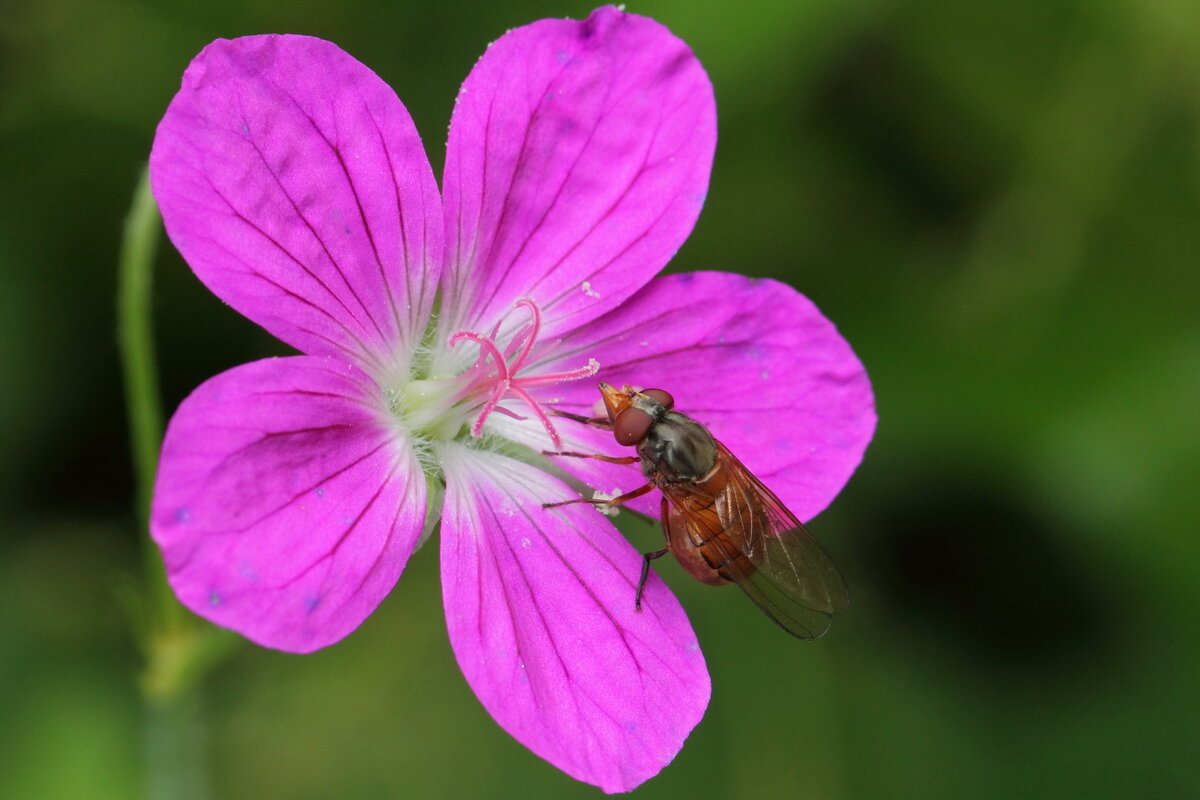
<point x="174" y="735"/>
<point x="135" y="334"/>
<point x="178" y="649"/>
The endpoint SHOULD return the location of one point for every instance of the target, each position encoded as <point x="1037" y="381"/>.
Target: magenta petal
<point x="292" y="180"/>
<point x="540" y="609"/>
<point x="752" y="359"/>
<point x="284" y="507"/>
<point x="577" y="163"/>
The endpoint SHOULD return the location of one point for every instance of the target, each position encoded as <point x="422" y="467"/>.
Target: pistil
<point x="496" y="373"/>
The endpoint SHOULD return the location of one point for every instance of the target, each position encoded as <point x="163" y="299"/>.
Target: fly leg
<point x="616" y="501"/>
<point x="611" y="460"/>
<point x="648" y="557"/>
<point x="595" y="422"/>
<point x="597" y="456"/>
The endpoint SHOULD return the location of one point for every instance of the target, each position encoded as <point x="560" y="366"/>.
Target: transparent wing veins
<point x="769" y="553"/>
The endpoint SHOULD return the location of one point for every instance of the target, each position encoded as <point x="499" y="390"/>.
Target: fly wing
<point x="769" y="553"/>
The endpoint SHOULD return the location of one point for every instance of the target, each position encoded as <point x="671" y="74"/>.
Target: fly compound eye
<point x="631" y="426"/>
<point x="661" y="397"/>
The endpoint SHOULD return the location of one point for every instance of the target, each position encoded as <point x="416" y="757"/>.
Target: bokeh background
<point x="996" y="202"/>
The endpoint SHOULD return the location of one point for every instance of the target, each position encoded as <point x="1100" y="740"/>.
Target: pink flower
<point x="436" y="331"/>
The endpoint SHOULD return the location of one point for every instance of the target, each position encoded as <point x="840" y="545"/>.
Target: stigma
<point x="441" y="407"/>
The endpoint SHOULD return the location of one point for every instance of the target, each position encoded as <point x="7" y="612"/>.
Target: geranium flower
<point x="438" y="331"/>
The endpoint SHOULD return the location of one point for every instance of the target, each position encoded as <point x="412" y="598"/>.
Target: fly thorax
<point x="677" y="450"/>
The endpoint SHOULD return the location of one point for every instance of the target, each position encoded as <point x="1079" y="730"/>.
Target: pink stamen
<point x="489" y="406"/>
<point x="480" y="379"/>
<point x="593" y="366"/>
<point x="541" y="415"/>
<point x="535" y="325"/>
<point x="484" y="344"/>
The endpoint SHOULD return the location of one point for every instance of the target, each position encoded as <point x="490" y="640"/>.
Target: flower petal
<point x="292" y="180"/>
<point x="284" y="507"/>
<point x="540" y="609"/>
<point x="752" y="359"/>
<point x="577" y="163"/>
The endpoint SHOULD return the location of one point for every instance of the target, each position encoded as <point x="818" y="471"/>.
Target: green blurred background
<point x="996" y="202"/>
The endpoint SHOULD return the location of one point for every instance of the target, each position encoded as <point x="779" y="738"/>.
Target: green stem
<point x="174" y="732"/>
<point x="135" y="334"/>
<point x="179" y="650"/>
